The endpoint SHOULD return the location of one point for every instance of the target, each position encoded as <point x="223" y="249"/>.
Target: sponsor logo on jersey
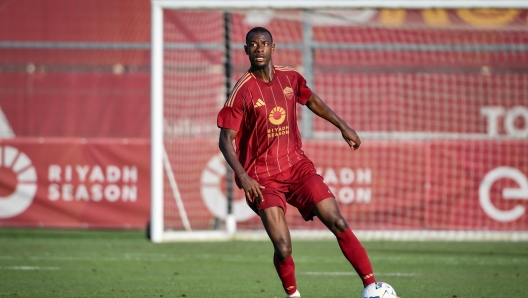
<point x="277" y="115"/>
<point x="259" y="103"/>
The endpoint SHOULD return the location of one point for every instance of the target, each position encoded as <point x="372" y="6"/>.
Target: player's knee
<point x="340" y="225"/>
<point x="283" y="251"/>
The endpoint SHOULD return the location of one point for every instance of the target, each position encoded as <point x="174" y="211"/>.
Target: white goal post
<point x="171" y="138"/>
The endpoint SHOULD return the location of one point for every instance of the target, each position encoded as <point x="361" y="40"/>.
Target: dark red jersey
<point x="265" y="115"/>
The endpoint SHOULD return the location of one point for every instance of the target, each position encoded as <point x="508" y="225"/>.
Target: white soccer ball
<point x="379" y="290"/>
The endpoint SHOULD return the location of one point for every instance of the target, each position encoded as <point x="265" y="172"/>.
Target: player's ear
<point x="272" y="48"/>
<point x="246" y="49"/>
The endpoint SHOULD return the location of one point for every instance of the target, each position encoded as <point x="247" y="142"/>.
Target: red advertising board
<point x="380" y="186"/>
<point x="96" y="183"/>
<point x="386" y="185"/>
<point x="478" y="185"/>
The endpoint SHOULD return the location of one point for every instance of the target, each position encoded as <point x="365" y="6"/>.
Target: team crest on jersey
<point x="277" y="115"/>
<point x="288" y="92"/>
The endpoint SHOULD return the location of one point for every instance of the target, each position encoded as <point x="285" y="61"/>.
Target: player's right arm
<point x="250" y="186"/>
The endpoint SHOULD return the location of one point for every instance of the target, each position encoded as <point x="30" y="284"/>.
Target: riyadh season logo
<point x="92" y="183"/>
<point x="277" y="115"/>
<point x="19" y="182"/>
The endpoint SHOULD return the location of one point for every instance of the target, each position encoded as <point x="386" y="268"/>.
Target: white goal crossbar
<point x="336" y="4"/>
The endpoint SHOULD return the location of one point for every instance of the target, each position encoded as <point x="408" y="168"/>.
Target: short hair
<point x="258" y="30"/>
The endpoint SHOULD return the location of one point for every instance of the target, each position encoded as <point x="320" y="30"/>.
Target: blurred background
<point x="438" y="96"/>
<point x="75" y="95"/>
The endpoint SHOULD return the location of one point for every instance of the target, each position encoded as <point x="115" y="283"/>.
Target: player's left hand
<point x="351" y="138"/>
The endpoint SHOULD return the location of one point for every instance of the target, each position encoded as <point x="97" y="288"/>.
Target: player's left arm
<point x="318" y="107"/>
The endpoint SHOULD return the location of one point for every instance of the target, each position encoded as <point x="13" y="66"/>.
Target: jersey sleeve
<point x="303" y="92"/>
<point x="232" y="113"/>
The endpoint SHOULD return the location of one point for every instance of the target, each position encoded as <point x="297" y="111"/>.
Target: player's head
<point x="258" y="30"/>
<point x="259" y="47"/>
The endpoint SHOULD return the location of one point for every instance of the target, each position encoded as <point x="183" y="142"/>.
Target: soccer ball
<point x="379" y="290"/>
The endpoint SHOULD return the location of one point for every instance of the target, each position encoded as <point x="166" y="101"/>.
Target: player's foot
<point x="294" y="295"/>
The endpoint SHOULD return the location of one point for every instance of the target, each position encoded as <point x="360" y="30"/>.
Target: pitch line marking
<point x="28" y="268"/>
<point x="402" y="274"/>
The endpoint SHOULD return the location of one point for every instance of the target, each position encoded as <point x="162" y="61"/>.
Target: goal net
<point x="438" y="96"/>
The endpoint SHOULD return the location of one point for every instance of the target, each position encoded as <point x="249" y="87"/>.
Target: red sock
<point x="286" y="270"/>
<point x="356" y="255"/>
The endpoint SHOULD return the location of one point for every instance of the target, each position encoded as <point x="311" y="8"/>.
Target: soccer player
<point x="260" y="115"/>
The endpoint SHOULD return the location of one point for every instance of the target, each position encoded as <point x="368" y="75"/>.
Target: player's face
<point x="259" y="49"/>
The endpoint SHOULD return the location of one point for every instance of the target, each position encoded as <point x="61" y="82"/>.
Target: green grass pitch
<point x="73" y="263"/>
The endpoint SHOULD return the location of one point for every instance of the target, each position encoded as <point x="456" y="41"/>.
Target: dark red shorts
<point x="300" y="186"/>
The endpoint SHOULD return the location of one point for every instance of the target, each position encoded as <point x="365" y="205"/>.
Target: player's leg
<point x="274" y="222"/>
<point x="328" y="212"/>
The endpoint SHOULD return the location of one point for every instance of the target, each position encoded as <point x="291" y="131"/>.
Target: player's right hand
<point x="251" y="188"/>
